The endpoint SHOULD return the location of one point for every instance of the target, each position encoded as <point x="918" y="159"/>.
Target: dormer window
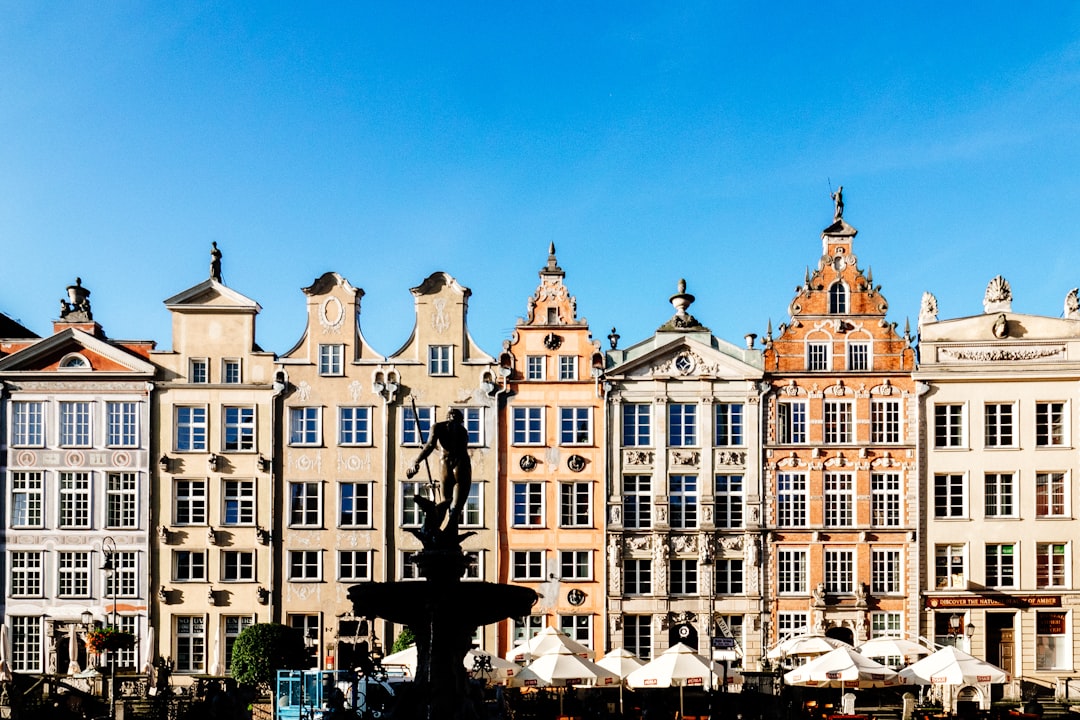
<point x="838" y="299"/>
<point x="74" y="361"/>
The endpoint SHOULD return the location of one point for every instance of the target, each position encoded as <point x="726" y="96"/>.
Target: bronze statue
<point x="453" y="439"/>
<point x="838" y="198"/>
<point x="215" y="262"/>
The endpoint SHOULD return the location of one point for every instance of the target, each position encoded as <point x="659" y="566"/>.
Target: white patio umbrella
<point x="149" y="655"/>
<point x="886" y="647"/>
<point x="215" y="665"/>
<point x="804" y="645"/>
<point x="949" y="666"/>
<point x="678" y="665"/>
<point x="544" y="642"/>
<point x="502" y="671"/>
<point x="842" y="668"/>
<point x="622" y="662"/>
<point x="562" y="668"/>
<point x="73" y="650"/>
<point x="5" y="653"/>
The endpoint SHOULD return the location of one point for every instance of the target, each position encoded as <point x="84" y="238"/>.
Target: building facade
<point x="839" y="458"/>
<point x="1000" y="417"/>
<point x="76" y="488"/>
<point x="684" y="496"/>
<point x="551" y="479"/>
<point x="214" y="568"/>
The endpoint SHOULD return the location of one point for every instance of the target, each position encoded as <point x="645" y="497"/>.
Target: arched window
<point x="74" y="361"/>
<point x="837" y="299"/>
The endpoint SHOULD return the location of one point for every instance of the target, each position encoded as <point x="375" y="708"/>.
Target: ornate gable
<point x="552" y="303"/>
<point x="74" y="351"/>
<point x="333" y="317"/>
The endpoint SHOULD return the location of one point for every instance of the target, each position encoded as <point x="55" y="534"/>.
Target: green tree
<point x="404" y="639"/>
<point x="263" y="649"/>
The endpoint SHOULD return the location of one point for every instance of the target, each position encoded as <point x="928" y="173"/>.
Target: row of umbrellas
<point x="74" y="642"/>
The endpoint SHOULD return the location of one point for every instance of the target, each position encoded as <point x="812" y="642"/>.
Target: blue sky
<point x="648" y="141"/>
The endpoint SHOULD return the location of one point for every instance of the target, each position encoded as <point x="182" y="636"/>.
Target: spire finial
<point x="552" y="267"/>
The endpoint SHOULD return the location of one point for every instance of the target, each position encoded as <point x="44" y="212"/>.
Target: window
<point x="411" y="516"/>
<point x="684" y="575"/>
<point x="791" y="500"/>
<point x="637" y="635"/>
<point x="729" y="501"/>
<point x="838" y="422"/>
<point x="234" y="625"/>
<point x="354" y="426"/>
<point x="331" y="360"/>
<point x="568" y="367"/>
<point x="27" y="424"/>
<point x="1053" y="640"/>
<point x="637" y="577"/>
<point x="575" y="427"/>
<point x="238" y="502"/>
<point x="524" y="628"/>
<point x="190" y="644"/>
<point x="885" y="572"/>
<point x="439" y="359"/>
<point x="949" y="496"/>
<point x="635" y="420"/>
<point x="789" y="624"/>
<point x="239" y="429"/>
<point x="1001" y="565"/>
<point x="948" y="426"/>
<point x="575" y="564"/>
<point x="473" y="513"/>
<point x="304" y="504"/>
<point x="839" y="500"/>
<point x="999" y="425"/>
<point x="791" y="419"/>
<point x="25" y="644"/>
<point x="637" y="502"/>
<point x="840" y="571"/>
<point x="1050" y="424"/>
<point x="409" y="568"/>
<point x="886" y="624"/>
<point x="189" y="565"/>
<point x="120" y="503"/>
<point x="578" y="627"/>
<point x="682" y="424"/>
<point x="729" y="424"/>
<point x="949" y="567"/>
<point x="304" y="426"/>
<point x="237" y="565"/>
<point x="529" y="504"/>
<point x="125" y="657"/>
<point x="308" y="625"/>
<point x="838" y="304"/>
<point x="74" y="500"/>
<point x="27" y="499"/>
<point x="26" y="578"/>
<point x="125" y="575"/>
<point x="1050" y="565"/>
<point x="683" y="501"/>
<point x="858" y="356"/>
<point x="473" y="419"/>
<point x="527" y="564"/>
<point x="791" y="571"/>
<point x="474" y="568"/>
<point x="817" y="356"/>
<point x="355" y="508"/>
<point x="528" y="426"/>
<point x="534" y="367"/>
<point x="123" y="424"/>
<point x="75" y="424"/>
<point x="885" y="421"/>
<point x="416" y="426"/>
<point x="354" y="565"/>
<point x="230" y="372"/>
<point x="998" y="490"/>
<point x="73" y="574"/>
<point x="575" y="504"/>
<point x="190" y="429"/>
<point x="885" y="499"/>
<point x="199" y="371"/>
<point x="304" y="565"/>
<point x="729" y="576"/>
<point x="190" y="502"/>
<point x="1050" y="499"/>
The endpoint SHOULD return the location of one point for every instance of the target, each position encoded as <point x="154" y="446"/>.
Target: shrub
<point x="263" y="649"/>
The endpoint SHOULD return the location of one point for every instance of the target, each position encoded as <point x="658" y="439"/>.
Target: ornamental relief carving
<point x="331" y="315"/>
<point x="303" y="391"/>
<point x="838" y="461"/>
<point x="440" y="320"/>
<point x="685" y="457"/>
<point x="353" y="463"/>
<point x="1000" y="354"/>
<point x="730" y="457"/>
<point x="838" y="389"/>
<point x="639" y="543"/>
<point x="637" y="457"/>
<point x="792" y="389"/>
<point x="686" y="362"/>
<point x="793" y="461"/>
<point x="684" y="543"/>
<point x="730" y="542"/>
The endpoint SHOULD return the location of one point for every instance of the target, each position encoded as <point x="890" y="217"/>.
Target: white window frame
<point x="527" y="428"/>
<point x="886" y="427"/>
<point x="473" y="417"/>
<point x="528" y="504"/>
<point x="999" y="424"/>
<point x="1001" y="565"/>
<point x="729" y="424"/>
<point x="792" y="500"/>
<point x="682" y="424"/>
<point x="354" y="565"/>
<point x="331" y="360"/>
<point x="190" y="638"/>
<point x="886" y="571"/>
<point x="575" y="426"/>
<point x="359" y="514"/>
<point x="730" y="498"/>
<point x="121" y="500"/>
<point x="860" y="353"/>
<point x="818" y="355"/>
<point x="950" y="426"/>
<point x="73" y="574"/>
<point x="568" y="368"/>
<point x="27" y="509"/>
<point x="637" y="424"/>
<point x="238" y="566"/>
<point x="416" y="427"/>
<point x="231" y="371"/>
<point x="1053" y="485"/>
<point x="886" y="504"/>
<point x="199" y="371"/>
<point x="950" y="496"/>
<point x="838" y="299"/>
<point x="122" y="424"/>
<point x="575" y="565"/>
<point x="950" y="566"/>
<point x="839" y="571"/>
<point x="354" y="425"/>
<point x="575" y="504"/>
<point x="578" y="627"/>
<point x="839" y="500"/>
<point x="440" y="360"/>
<point x="684" y="498"/>
<point x="792" y="420"/>
<point x="26" y="573"/>
<point x="302" y="514"/>
<point x="1052" y="424"/>
<point x="792" y="571"/>
<point x="240" y="494"/>
<point x="245" y="425"/>
<point x="535" y="367"/>
<point x="1052" y="565"/>
<point x="28" y="423"/>
<point x="305" y="426"/>
<point x="637" y="502"/>
<point x="75" y="506"/>
<point x="838" y="419"/>
<point x="638" y="635"/>
<point x="999" y="494"/>
<point x="193" y="501"/>
<point x="304" y="566"/>
<point x="189" y="566"/>
<point x="195" y="429"/>
<point x="76" y="424"/>
<point x="411" y="515"/>
<point x="528" y="565"/>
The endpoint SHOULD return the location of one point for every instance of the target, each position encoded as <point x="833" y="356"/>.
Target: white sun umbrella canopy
<point x="892" y="647"/>
<point x="544" y="642"/>
<point x="5" y="655"/>
<point x="842" y="667"/>
<point x="804" y="645"/>
<point x="678" y="665"/>
<point x="622" y="662"/>
<point x="502" y="671"/>
<point x="949" y="666"/>
<point x="564" y="668"/>
<point x="73" y="650"/>
<point x="149" y="656"/>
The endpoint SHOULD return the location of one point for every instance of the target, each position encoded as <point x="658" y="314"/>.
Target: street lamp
<point x="108" y="549"/>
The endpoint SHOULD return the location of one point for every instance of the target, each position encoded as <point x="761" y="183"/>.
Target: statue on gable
<point x="838" y="199"/>
<point x="215" y="263"/>
<point x="1072" y="305"/>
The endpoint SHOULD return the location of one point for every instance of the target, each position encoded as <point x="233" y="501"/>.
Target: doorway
<point x="1001" y="645"/>
<point x="841" y="633"/>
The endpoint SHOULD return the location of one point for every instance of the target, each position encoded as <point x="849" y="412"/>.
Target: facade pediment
<point x="211" y="295"/>
<point x="75" y="351"/>
<point x="687" y="357"/>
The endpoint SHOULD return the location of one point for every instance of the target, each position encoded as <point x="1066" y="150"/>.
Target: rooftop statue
<point x="838" y="198"/>
<point x="215" y="262"/>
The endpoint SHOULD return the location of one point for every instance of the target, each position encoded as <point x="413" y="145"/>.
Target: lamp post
<point x="108" y="549"/>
